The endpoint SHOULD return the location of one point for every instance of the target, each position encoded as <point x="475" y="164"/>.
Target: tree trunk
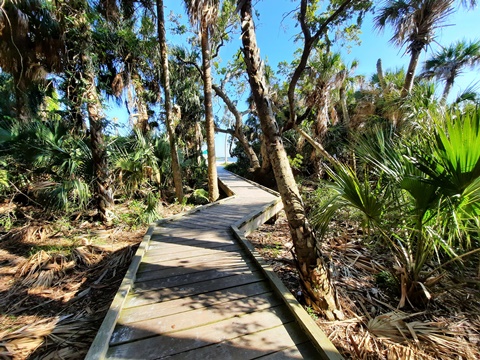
<point x="238" y="132"/>
<point x="103" y="193"/>
<point x="140" y="119"/>
<point x="176" y="170"/>
<point x="213" y="192"/>
<point x="448" y="87"/>
<point x="21" y="101"/>
<point x="381" y="78"/>
<point x="314" y="275"/>
<point x="412" y="66"/>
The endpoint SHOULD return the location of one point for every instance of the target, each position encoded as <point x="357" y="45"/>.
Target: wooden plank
<point x="221" y="264"/>
<point x="174" y="343"/>
<point x="192" y="302"/>
<point x="157" y="255"/>
<point x="189" y="262"/>
<point x="191" y="278"/>
<point x="163" y="325"/>
<point x="198" y="226"/>
<point x="189" y="233"/>
<point x="301" y="351"/>
<point x="191" y="245"/>
<point x="149" y="297"/>
<point x="250" y="346"/>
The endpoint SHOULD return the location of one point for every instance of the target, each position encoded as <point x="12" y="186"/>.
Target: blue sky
<point x="275" y="34"/>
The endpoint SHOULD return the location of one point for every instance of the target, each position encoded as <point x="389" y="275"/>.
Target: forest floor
<point x="58" y="277"/>
<point x="448" y="327"/>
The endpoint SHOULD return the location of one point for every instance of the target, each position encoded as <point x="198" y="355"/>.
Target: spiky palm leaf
<point x="448" y="63"/>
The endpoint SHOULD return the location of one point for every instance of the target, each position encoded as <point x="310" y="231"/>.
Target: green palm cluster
<point x="421" y="195"/>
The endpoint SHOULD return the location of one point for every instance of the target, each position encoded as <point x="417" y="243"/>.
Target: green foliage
<point x="420" y="196"/>
<point x="56" y="164"/>
<point x="140" y="161"/>
<point x="296" y="162"/>
<point x="199" y="197"/>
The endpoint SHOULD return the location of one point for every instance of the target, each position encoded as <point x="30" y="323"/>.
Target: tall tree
<point x="203" y="13"/>
<point x="79" y="40"/>
<point x="314" y="274"/>
<point x="176" y="170"/>
<point x="448" y="63"/>
<point x="31" y="46"/>
<point x="414" y="24"/>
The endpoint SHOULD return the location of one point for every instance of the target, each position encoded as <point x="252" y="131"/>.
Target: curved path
<point x="193" y="292"/>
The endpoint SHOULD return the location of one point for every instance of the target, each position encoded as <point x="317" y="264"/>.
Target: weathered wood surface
<point x="198" y="295"/>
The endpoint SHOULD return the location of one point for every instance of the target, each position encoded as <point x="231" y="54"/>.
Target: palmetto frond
<point x="413" y="21"/>
<point x="448" y="63"/>
<point x="202" y="13"/>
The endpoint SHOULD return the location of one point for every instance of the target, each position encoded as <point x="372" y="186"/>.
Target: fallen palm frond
<point x="435" y="336"/>
<point x="59" y="331"/>
<point x="43" y="269"/>
<point x="87" y="255"/>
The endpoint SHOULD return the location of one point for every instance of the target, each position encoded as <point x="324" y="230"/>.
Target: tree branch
<point x="310" y="42"/>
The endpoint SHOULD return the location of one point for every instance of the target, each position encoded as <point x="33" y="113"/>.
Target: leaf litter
<point x="57" y="283"/>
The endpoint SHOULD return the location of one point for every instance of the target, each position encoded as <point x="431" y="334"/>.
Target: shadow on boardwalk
<point x="198" y="295"/>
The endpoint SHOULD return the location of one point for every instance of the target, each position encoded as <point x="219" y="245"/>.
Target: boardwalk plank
<point x="189" y="262"/>
<point x="158" y="272"/>
<point x="157" y="255"/>
<point x="148" y="297"/>
<point x="158" y="347"/>
<point x="193" y="302"/>
<point x="302" y="351"/>
<point x="194" y="318"/>
<point x="249" y="346"/>
<point x="191" y="278"/>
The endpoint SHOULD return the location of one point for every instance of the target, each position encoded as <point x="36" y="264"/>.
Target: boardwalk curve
<point x="197" y="290"/>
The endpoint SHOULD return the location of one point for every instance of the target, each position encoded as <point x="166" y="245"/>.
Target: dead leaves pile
<point x="50" y="284"/>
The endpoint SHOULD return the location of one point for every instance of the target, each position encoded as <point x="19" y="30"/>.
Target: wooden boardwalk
<point x="193" y="292"/>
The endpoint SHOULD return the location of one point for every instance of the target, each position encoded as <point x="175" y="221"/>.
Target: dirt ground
<point x="448" y="327"/>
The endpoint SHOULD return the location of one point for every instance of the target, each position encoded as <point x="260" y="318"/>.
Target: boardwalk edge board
<point x="323" y="344"/>
<point x="100" y="344"/>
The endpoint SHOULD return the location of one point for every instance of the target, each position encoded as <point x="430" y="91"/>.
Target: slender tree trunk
<point x="140" y="118"/>
<point x="448" y="87"/>
<point x="381" y="78"/>
<point x="238" y="132"/>
<point x="21" y="101"/>
<point x="314" y="274"/>
<point x="176" y="170"/>
<point x="213" y="192"/>
<point x="410" y="77"/>
<point x="198" y="143"/>
<point x="103" y="193"/>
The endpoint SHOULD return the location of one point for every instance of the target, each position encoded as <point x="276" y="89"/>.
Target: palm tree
<point x="203" y="13"/>
<point x="414" y="23"/>
<point x="176" y="171"/>
<point x="314" y="274"/>
<point x="30" y="47"/>
<point x="79" y="40"/>
<point x="448" y="63"/>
